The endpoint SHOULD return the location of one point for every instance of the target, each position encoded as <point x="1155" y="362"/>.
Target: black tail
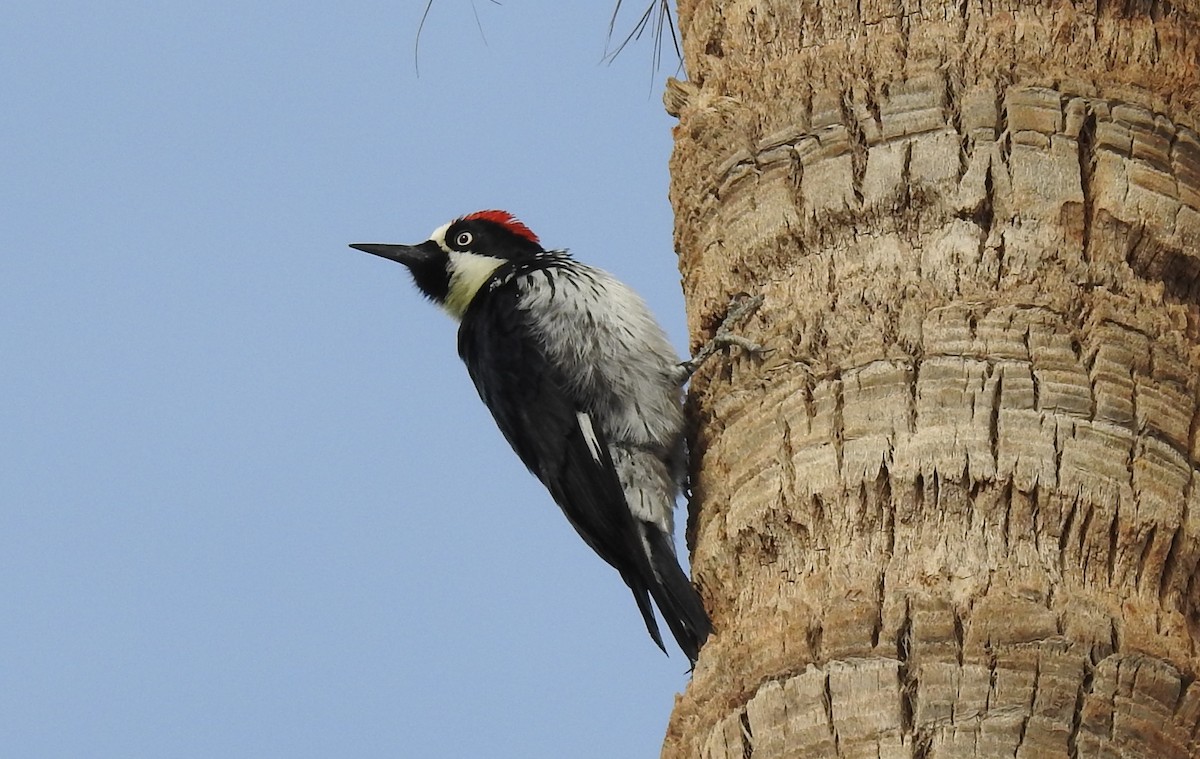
<point x="643" y="601"/>
<point x="677" y="600"/>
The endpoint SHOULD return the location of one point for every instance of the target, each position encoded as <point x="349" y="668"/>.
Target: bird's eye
<point x="464" y="239"/>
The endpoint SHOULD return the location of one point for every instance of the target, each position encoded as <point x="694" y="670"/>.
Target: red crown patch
<point x="506" y="219"/>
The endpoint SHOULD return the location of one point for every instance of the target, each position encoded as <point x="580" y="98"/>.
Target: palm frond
<point x="657" y="16"/>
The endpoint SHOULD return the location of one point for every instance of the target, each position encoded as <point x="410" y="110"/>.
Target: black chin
<point x="427" y="263"/>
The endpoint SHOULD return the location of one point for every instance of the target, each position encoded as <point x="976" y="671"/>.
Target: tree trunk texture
<point x="954" y="511"/>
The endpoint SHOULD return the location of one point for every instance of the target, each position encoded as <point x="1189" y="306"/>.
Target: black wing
<point x="542" y="422"/>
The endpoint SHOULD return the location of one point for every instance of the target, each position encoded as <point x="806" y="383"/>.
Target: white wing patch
<point x="589" y="434"/>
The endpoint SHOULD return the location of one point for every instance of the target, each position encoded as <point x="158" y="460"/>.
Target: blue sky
<point x="250" y="505"/>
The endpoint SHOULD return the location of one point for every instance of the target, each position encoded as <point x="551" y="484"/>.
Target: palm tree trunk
<point x="955" y="510"/>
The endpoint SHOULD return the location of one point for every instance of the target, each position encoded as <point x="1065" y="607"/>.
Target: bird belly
<point x="648" y="485"/>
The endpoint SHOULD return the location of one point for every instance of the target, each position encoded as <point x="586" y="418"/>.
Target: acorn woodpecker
<point x="584" y="385"/>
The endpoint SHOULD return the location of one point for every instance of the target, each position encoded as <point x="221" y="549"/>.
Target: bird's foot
<point x="724" y="337"/>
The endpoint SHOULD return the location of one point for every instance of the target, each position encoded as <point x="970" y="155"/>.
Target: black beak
<point x="404" y="254"/>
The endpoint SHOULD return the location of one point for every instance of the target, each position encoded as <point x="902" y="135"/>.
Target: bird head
<point x="460" y="256"/>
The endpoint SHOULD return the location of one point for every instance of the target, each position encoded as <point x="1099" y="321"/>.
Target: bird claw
<point x="724" y="337"/>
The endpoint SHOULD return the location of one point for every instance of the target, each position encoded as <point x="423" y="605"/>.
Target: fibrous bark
<point x="955" y="509"/>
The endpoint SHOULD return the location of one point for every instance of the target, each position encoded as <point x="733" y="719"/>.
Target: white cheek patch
<point x="468" y="273"/>
<point x="589" y="434"/>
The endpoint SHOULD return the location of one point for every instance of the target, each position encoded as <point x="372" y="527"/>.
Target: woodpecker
<point x="584" y="385"/>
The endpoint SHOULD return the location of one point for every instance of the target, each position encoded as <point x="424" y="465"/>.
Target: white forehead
<point x="439" y="236"/>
